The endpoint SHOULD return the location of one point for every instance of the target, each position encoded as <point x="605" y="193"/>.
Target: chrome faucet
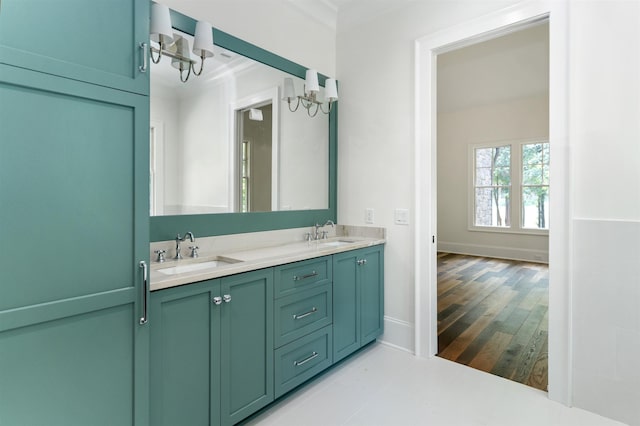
<point x="317" y="234"/>
<point x="179" y="239"/>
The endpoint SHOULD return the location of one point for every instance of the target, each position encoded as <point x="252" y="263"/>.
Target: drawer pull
<point x="313" y="355"/>
<point x="306" y="314"/>
<point x="304" y="277"/>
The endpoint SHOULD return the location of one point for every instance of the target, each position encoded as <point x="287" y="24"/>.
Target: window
<point x="492" y="186"/>
<point x="535" y="185"/>
<point x="510" y="187"/>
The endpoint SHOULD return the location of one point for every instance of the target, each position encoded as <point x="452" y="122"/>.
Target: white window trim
<point x="515" y="198"/>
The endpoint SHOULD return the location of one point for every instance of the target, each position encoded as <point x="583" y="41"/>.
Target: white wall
<point x="376" y="170"/>
<point x="375" y="137"/>
<point x="508" y="121"/>
<point x="605" y="135"/>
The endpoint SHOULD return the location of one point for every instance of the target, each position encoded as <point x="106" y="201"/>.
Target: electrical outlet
<point x="369" y="216"/>
<point x="401" y="216"/>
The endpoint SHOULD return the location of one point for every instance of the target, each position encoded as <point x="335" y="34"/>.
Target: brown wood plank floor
<point x="493" y="316"/>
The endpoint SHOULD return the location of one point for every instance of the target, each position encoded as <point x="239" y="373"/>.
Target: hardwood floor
<point x="493" y="316"/>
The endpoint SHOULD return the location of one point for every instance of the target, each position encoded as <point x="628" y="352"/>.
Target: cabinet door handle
<point x="145" y="292"/>
<point x="304" y="277"/>
<point x="313" y="355"/>
<point x="226" y="298"/>
<point x="362" y="262"/>
<point x="217" y="300"/>
<point x="144" y="47"/>
<point x="306" y="314"/>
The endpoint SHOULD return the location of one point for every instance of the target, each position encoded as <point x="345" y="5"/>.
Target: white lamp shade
<point x="330" y="90"/>
<point x="311" y="81"/>
<point x="160" y="30"/>
<point x="289" y="90"/>
<point x="203" y="42"/>
<point x="181" y="47"/>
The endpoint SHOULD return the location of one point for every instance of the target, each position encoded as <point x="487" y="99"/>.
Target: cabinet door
<point x="184" y="333"/>
<point x="73" y="208"/>
<point x="346" y="305"/>
<point x="246" y="344"/>
<point x="93" y="41"/>
<point x="371" y="293"/>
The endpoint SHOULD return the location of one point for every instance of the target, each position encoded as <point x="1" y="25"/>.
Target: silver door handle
<point x="362" y="262"/>
<point x="145" y="292"/>
<point x="217" y="300"/>
<point x="144" y="47"/>
<point x="313" y="355"/>
<point x="226" y="298"/>
<point x="306" y="314"/>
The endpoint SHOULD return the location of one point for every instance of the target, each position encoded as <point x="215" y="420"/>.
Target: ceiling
<point x="338" y="14"/>
<point x="510" y="67"/>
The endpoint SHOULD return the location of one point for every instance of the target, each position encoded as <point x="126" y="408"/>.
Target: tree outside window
<point x="492" y="186"/>
<point x="535" y="185"/>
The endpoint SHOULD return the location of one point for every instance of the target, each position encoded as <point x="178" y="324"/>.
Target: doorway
<point x="427" y="48"/>
<point x="254" y="180"/>
<point x="493" y="185"/>
<point x="254" y="154"/>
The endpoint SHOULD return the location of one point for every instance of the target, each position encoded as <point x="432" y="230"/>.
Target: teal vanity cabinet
<point x="303" y="316"/>
<point x="94" y="41"/>
<point x="212" y="350"/>
<point x="358" y="301"/>
<point x="74" y="166"/>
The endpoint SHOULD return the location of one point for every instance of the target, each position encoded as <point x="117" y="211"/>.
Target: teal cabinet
<point x="73" y="209"/>
<point x="246" y="344"/>
<point x="92" y="41"/>
<point x="303" y="316"/>
<point x="358" y="300"/>
<point x="302" y="359"/>
<point x="212" y="350"/>
<point x="185" y="363"/>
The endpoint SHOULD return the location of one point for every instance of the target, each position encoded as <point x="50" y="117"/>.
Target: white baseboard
<point x="398" y="334"/>
<point x="529" y="255"/>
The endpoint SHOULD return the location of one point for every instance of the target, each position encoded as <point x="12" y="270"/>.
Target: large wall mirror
<point x="227" y="154"/>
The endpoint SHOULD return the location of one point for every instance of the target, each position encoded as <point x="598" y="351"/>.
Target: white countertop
<point x="253" y="259"/>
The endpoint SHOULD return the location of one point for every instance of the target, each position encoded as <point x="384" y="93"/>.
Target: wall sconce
<point x="176" y="46"/>
<point x="311" y="89"/>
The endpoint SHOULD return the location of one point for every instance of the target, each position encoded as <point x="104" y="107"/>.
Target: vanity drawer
<point x="301" y="313"/>
<point x="302" y="275"/>
<point x="302" y="359"/>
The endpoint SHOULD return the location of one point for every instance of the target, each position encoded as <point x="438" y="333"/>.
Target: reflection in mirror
<point x="209" y="156"/>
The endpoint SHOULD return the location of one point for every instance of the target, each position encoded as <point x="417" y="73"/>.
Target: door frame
<point x="256" y="100"/>
<point x="426" y="50"/>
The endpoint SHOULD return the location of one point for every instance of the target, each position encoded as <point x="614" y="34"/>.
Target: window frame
<point x="516" y="219"/>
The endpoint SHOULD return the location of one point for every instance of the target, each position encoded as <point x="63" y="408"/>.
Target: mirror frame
<point x="164" y="228"/>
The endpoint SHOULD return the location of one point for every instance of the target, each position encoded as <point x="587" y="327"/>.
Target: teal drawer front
<point x="299" y="276"/>
<point x="302" y="313"/>
<point x="301" y="360"/>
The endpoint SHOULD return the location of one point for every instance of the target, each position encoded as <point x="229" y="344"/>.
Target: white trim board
<point x="499" y="252"/>
<point x="398" y="334"/>
<point x="427" y="48"/>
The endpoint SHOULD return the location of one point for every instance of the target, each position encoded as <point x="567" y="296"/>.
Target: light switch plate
<point x="401" y="216"/>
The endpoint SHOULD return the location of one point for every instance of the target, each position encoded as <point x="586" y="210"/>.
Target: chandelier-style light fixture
<point x="309" y="99"/>
<point x="177" y="47"/>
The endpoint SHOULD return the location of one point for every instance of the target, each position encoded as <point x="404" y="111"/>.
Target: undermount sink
<point x="199" y="266"/>
<point x="337" y="243"/>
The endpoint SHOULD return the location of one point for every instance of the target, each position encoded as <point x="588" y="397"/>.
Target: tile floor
<point x="385" y="386"/>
